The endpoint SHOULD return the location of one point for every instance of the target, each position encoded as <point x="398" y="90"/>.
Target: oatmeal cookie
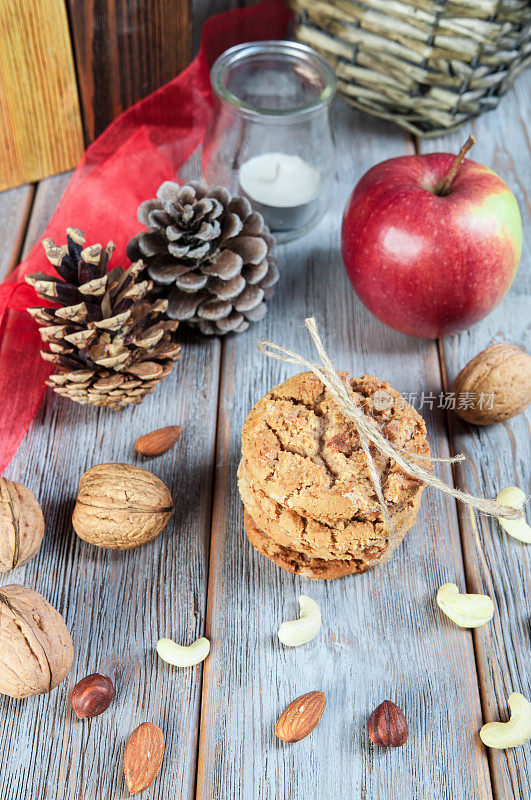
<point x="306" y="455"/>
<point x="355" y="538"/>
<point x="299" y="563"/>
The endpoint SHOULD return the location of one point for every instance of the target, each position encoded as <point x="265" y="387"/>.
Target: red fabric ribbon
<point x="144" y="146"/>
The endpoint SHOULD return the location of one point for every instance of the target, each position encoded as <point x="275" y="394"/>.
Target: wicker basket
<point x="429" y="65"/>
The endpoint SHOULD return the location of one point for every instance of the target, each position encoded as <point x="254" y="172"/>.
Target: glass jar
<point x="269" y="138"/>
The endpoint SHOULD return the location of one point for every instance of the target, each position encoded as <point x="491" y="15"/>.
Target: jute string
<point x="367" y="432"/>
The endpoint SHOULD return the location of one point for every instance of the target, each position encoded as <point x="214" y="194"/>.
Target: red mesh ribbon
<point x="144" y="146"/>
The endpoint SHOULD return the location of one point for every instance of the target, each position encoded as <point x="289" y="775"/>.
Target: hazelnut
<point x="36" y="650"/>
<point x="92" y="696"/>
<point x="388" y="725"/>
<point x="120" y="506"/>
<point x="21" y="525"/>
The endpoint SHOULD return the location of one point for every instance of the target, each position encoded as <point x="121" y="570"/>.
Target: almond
<point x="143" y="757"/>
<point x="158" y="442"/>
<point x="388" y="725"/>
<point x="299" y="719"/>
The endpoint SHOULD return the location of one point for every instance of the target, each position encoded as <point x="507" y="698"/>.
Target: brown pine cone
<point x="111" y="343"/>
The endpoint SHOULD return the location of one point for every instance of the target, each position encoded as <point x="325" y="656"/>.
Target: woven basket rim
<point x="430" y="66"/>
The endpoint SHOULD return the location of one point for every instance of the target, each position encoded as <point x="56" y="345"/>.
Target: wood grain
<point x="47" y="195"/>
<point x="499" y="455"/>
<point x="116" y="605"/>
<point x="15" y="205"/>
<point x="203" y="9"/>
<point x="40" y="122"/>
<point x="125" y="49"/>
<point x="383" y="636"/>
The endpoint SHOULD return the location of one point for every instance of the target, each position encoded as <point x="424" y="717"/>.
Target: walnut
<point x="36" y="650"/>
<point x="21" y="525"/>
<point x="494" y="386"/>
<point x="120" y="506"/>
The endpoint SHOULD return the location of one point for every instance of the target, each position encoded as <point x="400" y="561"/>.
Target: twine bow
<point x="367" y="433"/>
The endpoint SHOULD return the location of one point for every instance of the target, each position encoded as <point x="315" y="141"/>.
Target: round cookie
<point x="354" y="538"/>
<point x="293" y="561"/>
<point x="306" y="455"/>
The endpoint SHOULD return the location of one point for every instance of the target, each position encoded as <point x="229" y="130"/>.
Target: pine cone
<point x="209" y="254"/>
<point x="112" y="345"/>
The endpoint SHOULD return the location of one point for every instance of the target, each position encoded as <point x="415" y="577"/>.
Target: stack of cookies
<point x="310" y="504"/>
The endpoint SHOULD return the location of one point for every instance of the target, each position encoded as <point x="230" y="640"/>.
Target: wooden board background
<point x="382" y="636"/>
<point x="125" y="49"/>
<point x="40" y="122"/>
<point x="69" y="67"/>
<point x="499" y="455"/>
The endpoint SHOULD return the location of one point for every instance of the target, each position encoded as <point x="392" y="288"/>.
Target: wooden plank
<point x="116" y="605"/>
<point x="124" y="51"/>
<point x="40" y="122"/>
<point x="383" y="636"/>
<point x="499" y="455"/>
<point x="48" y="193"/>
<point x="19" y="230"/>
<point x="15" y="205"/>
<point x="395" y="644"/>
<point x="203" y="9"/>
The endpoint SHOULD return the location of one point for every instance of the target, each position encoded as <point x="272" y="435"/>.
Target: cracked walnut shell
<point x="21" y="525"/>
<point x="120" y="506"/>
<point x="36" y="650"/>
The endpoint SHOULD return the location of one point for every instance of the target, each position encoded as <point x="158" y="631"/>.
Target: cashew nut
<point x="518" y="528"/>
<point x="513" y="733"/>
<point x="302" y="630"/>
<point x="466" y="610"/>
<point x="180" y="656"/>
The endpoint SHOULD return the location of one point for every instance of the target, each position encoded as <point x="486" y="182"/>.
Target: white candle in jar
<point x="281" y="187"/>
<point x="280" y="180"/>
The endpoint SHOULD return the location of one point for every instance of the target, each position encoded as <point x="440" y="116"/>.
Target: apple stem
<point x="449" y="179"/>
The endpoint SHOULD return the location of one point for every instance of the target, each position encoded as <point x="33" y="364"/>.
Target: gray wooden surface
<point x="500" y="455"/>
<point x="382" y="637"/>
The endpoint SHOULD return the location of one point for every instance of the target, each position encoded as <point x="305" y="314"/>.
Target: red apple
<point x="431" y="243"/>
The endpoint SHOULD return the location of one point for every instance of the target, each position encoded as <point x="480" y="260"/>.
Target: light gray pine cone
<point x="209" y="254"/>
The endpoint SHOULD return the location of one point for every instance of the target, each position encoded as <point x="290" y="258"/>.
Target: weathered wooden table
<point x="383" y="636"/>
